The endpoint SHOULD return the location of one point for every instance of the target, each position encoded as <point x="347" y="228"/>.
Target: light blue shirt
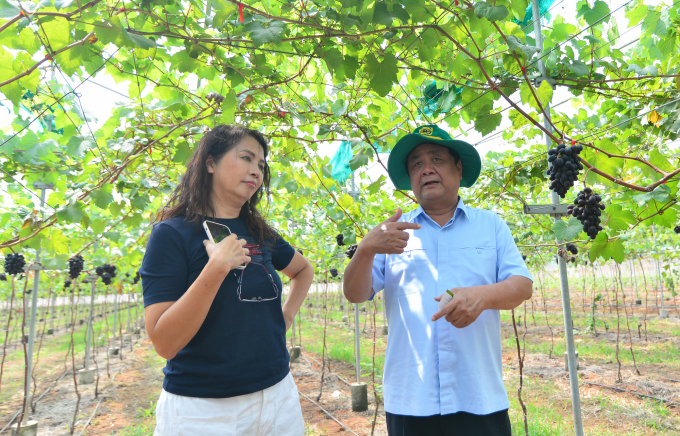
<point x="433" y="367"/>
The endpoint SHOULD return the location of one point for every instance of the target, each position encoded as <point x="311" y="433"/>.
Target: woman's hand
<point x="228" y="254"/>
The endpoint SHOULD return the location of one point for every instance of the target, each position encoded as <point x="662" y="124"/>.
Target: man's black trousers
<point x="455" y="424"/>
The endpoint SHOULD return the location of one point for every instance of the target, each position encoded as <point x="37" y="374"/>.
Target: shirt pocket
<point x="409" y="272"/>
<point x="473" y="266"/>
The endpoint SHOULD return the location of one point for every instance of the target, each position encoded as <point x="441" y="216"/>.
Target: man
<point x="443" y="370"/>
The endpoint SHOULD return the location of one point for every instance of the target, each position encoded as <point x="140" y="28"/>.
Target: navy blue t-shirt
<point x="241" y="346"/>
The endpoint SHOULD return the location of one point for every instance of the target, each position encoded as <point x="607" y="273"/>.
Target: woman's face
<point x="239" y="174"/>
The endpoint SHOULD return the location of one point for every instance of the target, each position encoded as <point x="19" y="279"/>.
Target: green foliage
<point x="311" y="75"/>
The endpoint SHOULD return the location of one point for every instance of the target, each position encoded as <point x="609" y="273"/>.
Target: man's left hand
<point x="463" y="309"/>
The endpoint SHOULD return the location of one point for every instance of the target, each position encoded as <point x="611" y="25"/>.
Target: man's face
<point x="435" y="176"/>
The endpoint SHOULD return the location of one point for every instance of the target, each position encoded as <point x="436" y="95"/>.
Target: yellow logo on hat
<point x="425" y="131"/>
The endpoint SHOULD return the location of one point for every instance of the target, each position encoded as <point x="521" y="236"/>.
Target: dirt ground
<point x="127" y="395"/>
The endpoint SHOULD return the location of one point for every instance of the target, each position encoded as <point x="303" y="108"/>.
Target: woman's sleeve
<point x="164" y="268"/>
<point x="282" y="253"/>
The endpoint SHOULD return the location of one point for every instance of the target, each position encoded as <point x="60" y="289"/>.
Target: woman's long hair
<point x="193" y="195"/>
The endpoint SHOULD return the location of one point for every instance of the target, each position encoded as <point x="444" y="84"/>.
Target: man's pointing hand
<point x="388" y="237"/>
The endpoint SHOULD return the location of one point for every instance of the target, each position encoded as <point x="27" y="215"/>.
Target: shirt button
<point x="479" y="251"/>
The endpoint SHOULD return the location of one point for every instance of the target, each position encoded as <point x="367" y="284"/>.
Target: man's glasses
<point x="256" y="299"/>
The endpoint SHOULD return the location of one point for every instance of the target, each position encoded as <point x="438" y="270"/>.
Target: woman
<point x="227" y="370"/>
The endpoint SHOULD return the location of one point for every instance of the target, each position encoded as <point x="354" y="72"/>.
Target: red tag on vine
<point x="573" y="142"/>
<point x="524" y="70"/>
<point x="456" y="2"/>
<point x="240" y="12"/>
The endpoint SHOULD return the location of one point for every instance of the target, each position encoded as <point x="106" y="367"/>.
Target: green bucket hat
<point x="431" y="134"/>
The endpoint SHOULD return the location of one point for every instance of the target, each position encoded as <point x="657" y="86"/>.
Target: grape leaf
<point x="599" y="244"/>
<point x="614" y="250"/>
<point x="486" y="122"/>
<point x="72" y="213"/>
<point x="229" y="106"/>
<point x="382" y="16"/>
<point x="567" y="230"/>
<point x="514" y="44"/>
<point x="619" y="219"/>
<point x="8" y="10"/>
<point x="383" y="74"/>
<point x="263" y="35"/>
<point x="597" y="14"/>
<point x="114" y="236"/>
<point x="578" y="68"/>
<point x="649" y="70"/>
<point x="490" y="12"/>
<point x="660" y="193"/>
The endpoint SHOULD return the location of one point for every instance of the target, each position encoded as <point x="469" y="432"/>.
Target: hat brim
<point x="396" y="163"/>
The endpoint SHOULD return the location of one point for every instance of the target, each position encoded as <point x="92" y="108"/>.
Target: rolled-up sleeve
<point x="379" y="272"/>
<point x="509" y="260"/>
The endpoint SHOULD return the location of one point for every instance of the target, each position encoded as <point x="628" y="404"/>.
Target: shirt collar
<point x="460" y="209"/>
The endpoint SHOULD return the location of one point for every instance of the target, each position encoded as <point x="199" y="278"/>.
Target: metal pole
<point x="356" y="342"/>
<point x="658" y="267"/>
<point x="90" y="331"/>
<point x="632" y="269"/>
<point x="128" y="317"/>
<point x="34" y="308"/>
<point x="115" y="313"/>
<point x="354" y="194"/>
<point x="54" y="302"/>
<point x="564" y="282"/>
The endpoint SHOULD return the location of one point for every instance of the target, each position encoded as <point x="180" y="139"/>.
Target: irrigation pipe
<point x="39" y="398"/>
<point x="670" y="379"/>
<point x="324" y="411"/>
<point x="634" y="392"/>
<point x="94" y="412"/>
<point x="54" y="384"/>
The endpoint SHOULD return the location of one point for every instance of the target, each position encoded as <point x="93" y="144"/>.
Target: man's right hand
<point x="388" y="237"/>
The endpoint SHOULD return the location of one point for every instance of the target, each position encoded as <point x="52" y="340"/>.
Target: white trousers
<point x="274" y="411"/>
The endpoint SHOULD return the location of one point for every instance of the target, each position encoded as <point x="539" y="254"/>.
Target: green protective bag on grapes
<point x="340" y="162"/>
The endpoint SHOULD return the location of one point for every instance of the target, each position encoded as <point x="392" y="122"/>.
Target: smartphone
<point x="217" y="232"/>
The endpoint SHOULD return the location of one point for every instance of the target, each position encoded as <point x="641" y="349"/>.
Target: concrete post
<point x="359" y="397"/>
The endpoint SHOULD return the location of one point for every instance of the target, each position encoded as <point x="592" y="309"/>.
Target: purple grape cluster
<point x="75" y="266"/>
<point x="565" y="165"/>
<point x="573" y="249"/>
<point x="588" y="208"/>
<point x="106" y="272"/>
<point x="340" y="240"/>
<point x="14" y="263"/>
<point x="334" y="272"/>
<point x="351" y="250"/>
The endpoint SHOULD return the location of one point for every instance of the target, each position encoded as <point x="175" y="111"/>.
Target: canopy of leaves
<point x="311" y="74"/>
